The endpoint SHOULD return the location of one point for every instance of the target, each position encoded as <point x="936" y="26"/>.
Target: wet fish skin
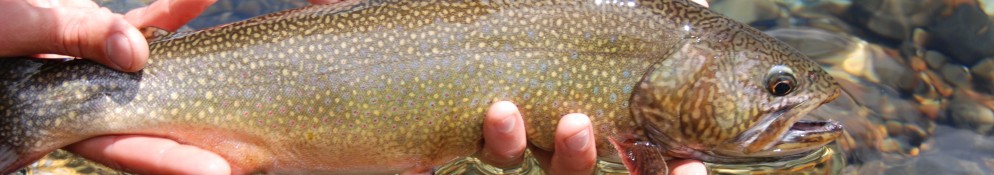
<point x="66" y="163"/>
<point x="382" y="86"/>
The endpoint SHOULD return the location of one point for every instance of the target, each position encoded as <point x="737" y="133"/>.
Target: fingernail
<point x="118" y="50"/>
<point x="507" y="124"/>
<point x="579" y="141"/>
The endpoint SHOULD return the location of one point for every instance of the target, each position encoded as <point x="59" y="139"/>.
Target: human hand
<point x="80" y="28"/>
<point x="151" y="155"/>
<point x="77" y="28"/>
<point x="574" y="141"/>
<point x="154" y="155"/>
<point x="503" y="122"/>
<point x="65" y="31"/>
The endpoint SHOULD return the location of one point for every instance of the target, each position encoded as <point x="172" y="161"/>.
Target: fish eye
<point x="780" y="81"/>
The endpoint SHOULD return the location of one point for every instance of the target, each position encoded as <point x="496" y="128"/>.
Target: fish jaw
<point x="784" y="135"/>
<point x="809" y="134"/>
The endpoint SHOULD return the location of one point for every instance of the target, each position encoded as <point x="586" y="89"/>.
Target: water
<point x="918" y="77"/>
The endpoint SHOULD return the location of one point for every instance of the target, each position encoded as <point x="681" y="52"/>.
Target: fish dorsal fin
<point x="641" y="157"/>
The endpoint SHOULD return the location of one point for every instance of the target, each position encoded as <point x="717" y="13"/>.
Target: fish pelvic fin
<point x="641" y="157"/>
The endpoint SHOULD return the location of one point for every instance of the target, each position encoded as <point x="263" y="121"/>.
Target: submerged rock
<point x="893" y="19"/>
<point x="967" y="112"/>
<point x="935" y="60"/>
<point x="964" y="34"/>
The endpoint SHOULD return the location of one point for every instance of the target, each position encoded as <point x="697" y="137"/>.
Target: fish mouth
<point x="781" y="134"/>
<point x="805" y="135"/>
<point x="798" y="139"/>
<point x="807" y="127"/>
<point x="808" y="135"/>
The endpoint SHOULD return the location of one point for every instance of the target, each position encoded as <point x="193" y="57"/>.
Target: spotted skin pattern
<point x="383" y="86"/>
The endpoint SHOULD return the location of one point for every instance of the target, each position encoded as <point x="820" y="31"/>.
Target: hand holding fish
<point x="119" y="46"/>
<point x="574" y="140"/>
<point x="143" y="155"/>
<point x="81" y="28"/>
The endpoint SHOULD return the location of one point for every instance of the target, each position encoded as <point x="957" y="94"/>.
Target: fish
<point x="380" y="86"/>
<point x="66" y="163"/>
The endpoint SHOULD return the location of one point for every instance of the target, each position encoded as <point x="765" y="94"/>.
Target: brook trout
<point x="383" y="86"/>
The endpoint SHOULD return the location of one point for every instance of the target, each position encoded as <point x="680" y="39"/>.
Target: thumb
<point x="91" y="33"/>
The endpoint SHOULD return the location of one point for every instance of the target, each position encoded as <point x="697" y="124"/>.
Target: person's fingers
<point x="323" y="1"/>
<point x="687" y="167"/>
<point x="167" y="14"/>
<point x="91" y="33"/>
<point x="575" y="152"/>
<point x="503" y="135"/>
<point x="64" y="3"/>
<point x="150" y="155"/>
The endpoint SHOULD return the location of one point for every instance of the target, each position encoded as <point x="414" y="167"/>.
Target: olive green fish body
<point x="386" y="86"/>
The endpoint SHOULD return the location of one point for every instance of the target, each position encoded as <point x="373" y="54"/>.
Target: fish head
<point x="733" y="94"/>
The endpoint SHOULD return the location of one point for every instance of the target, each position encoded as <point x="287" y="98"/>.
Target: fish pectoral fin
<point x="641" y="157"/>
